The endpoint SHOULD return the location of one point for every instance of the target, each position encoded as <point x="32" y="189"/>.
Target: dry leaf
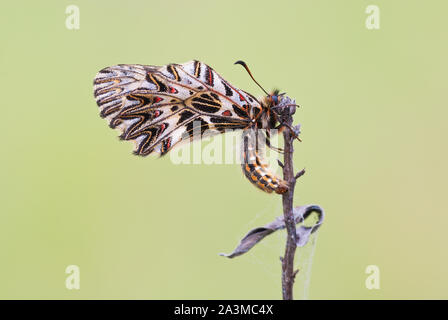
<point x="303" y="232"/>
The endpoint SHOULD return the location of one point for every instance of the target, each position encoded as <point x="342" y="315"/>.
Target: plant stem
<point x="288" y="273"/>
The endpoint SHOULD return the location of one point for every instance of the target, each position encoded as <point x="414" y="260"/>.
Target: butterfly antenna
<point x="250" y="73"/>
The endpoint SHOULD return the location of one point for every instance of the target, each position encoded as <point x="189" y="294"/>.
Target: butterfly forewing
<point x="156" y="107"/>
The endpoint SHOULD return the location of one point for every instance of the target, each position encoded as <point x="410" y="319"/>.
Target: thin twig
<point x="288" y="273"/>
<point x="299" y="174"/>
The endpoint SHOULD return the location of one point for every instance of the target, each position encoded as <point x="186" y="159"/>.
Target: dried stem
<point x="291" y="215"/>
<point x="288" y="273"/>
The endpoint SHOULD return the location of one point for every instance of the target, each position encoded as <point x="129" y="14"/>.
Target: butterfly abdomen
<point x="257" y="171"/>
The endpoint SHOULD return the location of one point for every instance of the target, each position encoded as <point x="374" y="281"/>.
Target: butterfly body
<point x="156" y="107"/>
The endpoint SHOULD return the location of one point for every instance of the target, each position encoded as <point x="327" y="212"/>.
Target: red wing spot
<point x="156" y="113"/>
<point x="157" y="99"/>
<point x="210" y="82"/>
<point x="241" y="97"/>
<point x="227" y="113"/>
<point x="168" y="144"/>
<point x="172" y="90"/>
<point x="162" y="127"/>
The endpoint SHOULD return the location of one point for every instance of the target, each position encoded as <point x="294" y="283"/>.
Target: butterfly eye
<point x="275" y="99"/>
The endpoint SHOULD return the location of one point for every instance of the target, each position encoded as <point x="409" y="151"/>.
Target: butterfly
<point x="156" y="107"/>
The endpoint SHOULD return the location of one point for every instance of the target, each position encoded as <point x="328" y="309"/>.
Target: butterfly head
<point x="276" y="107"/>
<point x="277" y="102"/>
<point x="274" y="98"/>
<point x="282" y="103"/>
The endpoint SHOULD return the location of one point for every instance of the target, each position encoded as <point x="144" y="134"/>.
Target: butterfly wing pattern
<point x="156" y="107"/>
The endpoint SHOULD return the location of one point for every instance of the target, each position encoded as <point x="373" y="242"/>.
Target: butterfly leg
<point x="268" y="143"/>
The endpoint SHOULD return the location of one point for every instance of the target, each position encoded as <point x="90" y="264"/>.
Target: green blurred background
<point x="373" y="114"/>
